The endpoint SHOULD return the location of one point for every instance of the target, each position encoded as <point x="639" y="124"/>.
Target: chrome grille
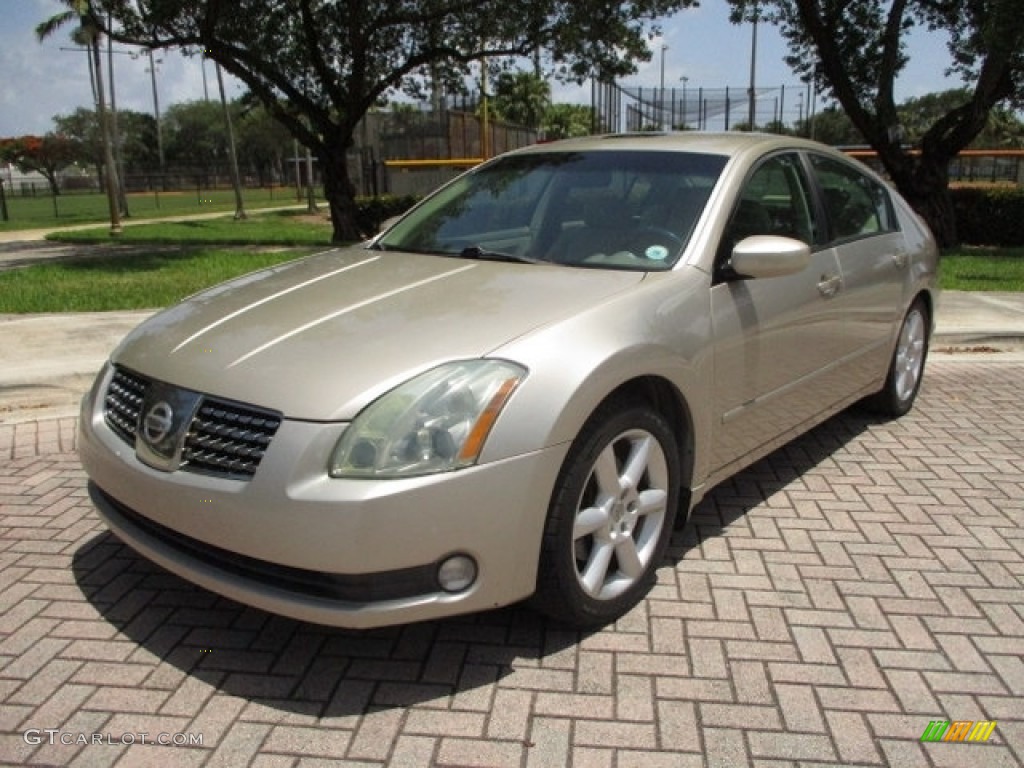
<point x="223" y="438"/>
<point x="227" y="438"/>
<point x="123" y="402"/>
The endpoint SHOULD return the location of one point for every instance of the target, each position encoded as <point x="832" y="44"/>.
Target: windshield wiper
<point x="476" y="252"/>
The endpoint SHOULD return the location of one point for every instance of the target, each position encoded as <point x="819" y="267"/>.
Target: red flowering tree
<point x="47" y="155"/>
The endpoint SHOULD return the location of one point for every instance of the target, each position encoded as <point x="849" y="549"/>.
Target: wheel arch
<point x="927" y="297"/>
<point x="660" y="394"/>
<point x="651" y="405"/>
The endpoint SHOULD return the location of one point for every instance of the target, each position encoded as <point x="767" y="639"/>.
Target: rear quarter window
<point x="856" y="204"/>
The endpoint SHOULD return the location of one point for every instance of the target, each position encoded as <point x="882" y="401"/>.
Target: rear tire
<point x="906" y="369"/>
<point x="610" y="518"/>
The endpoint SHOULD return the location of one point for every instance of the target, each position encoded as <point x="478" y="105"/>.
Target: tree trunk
<point x="51" y="178"/>
<point x="108" y="152"/>
<point x="936" y="208"/>
<point x="341" y="197"/>
<point x="236" y="179"/>
<point x="929" y="196"/>
<point x="924" y="183"/>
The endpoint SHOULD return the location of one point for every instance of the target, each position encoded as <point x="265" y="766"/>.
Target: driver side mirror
<point x="761" y="256"/>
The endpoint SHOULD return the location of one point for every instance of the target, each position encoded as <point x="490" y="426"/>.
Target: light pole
<point x="753" y="68"/>
<point x="485" y="118"/>
<point x="202" y="66"/>
<point x="156" y="111"/>
<point x="685" y="80"/>
<point x="661" y="94"/>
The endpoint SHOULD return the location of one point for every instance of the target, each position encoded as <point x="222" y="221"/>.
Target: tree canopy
<point x="1003" y="129"/>
<point x="137" y="132"/>
<point x="522" y="98"/>
<point x="195" y="137"/>
<point x="564" y="121"/>
<point x="263" y="143"/>
<point x="856" y="49"/>
<point x="194" y="133"/>
<point x="47" y="155"/>
<point x="318" y="66"/>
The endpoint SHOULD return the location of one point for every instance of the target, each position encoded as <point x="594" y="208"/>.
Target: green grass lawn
<point x="151" y="280"/>
<point x="276" y="228"/>
<point x="42" y="211"/>
<point x="169" y="260"/>
<point x="187" y="256"/>
<point x="983" y="269"/>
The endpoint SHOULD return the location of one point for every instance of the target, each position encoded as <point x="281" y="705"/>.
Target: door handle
<point x="900" y="259"/>
<point x="829" y="285"/>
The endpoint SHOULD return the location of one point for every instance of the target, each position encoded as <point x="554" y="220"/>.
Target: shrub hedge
<point x="371" y="212"/>
<point x="989" y="216"/>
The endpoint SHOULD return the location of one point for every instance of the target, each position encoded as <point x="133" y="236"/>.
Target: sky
<point x="40" y="80"/>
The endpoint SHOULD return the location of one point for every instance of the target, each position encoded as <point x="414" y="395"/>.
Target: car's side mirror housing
<point x="769" y="256"/>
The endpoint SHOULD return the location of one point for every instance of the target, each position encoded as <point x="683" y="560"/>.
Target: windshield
<point x="612" y="209"/>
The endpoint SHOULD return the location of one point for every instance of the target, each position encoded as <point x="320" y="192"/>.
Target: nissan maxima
<point x="518" y="388"/>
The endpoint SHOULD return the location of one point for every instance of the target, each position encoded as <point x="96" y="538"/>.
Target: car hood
<point x="320" y="338"/>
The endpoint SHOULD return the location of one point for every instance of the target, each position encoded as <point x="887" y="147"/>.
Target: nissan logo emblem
<point x="158" y="423"/>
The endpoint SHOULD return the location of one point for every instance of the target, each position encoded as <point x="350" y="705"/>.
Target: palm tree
<point x="88" y="32"/>
<point x="522" y="98"/>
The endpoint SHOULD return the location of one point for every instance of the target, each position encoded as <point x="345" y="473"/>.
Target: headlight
<point x="435" y="422"/>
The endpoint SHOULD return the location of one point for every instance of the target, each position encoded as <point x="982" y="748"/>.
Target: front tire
<point x="906" y="369"/>
<point x="610" y="518"/>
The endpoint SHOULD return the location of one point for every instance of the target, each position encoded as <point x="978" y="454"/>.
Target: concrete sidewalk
<point x="47" y="362"/>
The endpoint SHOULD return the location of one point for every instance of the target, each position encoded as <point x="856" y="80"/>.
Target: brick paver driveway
<point x="822" y="609"/>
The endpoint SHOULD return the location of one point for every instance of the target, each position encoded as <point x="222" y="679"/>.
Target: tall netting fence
<point x="628" y="108"/>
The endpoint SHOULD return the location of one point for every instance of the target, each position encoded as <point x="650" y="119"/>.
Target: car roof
<point x="729" y="143"/>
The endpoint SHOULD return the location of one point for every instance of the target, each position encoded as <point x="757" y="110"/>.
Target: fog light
<point x="457" y="573"/>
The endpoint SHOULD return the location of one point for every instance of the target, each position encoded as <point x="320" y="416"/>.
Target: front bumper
<point x="352" y="553"/>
